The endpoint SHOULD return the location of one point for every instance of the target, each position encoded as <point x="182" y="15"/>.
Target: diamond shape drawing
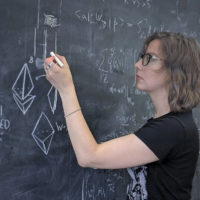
<point x="43" y="133"/>
<point x="23" y="84"/>
<point x="24" y="106"/>
<point x="22" y="89"/>
<point x="52" y="98"/>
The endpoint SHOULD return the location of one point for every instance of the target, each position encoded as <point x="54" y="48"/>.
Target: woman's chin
<point x="139" y="87"/>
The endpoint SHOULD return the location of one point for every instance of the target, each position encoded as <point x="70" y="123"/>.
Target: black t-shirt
<point x="174" y="139"/>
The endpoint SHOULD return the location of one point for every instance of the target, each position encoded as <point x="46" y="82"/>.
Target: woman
<point x="168" y="70"/>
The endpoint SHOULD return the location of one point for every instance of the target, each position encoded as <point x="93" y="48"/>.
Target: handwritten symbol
<point x="1" y="110"/>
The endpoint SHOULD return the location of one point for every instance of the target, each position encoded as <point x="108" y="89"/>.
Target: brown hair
<point x="182" y="59"/>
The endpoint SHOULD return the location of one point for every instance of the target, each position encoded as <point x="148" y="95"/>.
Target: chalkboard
<point x="101" y="40"/>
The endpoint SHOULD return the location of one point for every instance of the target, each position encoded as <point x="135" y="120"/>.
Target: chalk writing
<point x="110" y="23"/>
<point x="43" y="133"/>
<point x="52" y="95"/>
<point x="125" y="91"/>
<point x="125" y="120"/>
<point x="140" y="92"/>
<point x="51" y="21"/>
<point x="104" y="188"/>
<point x="4" y="123"/>
<point x="40" y="45"/>
<point x="30" y="60"/>
<point x="111" y="135"/>
<point x="22" y="89"/>
<point x="144" y="28"/>
<point x="117" y="62"/>
<point x="180" y="7"/>
<point x="52" y="98"/>
<point x="139" y="3"/>
<point x="1" y="110"/>
<point x="60" y="127"/>
<point x="40" y="76"/>
<point x="113" y="61"/>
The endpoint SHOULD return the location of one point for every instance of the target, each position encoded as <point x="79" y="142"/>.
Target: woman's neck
<point x="161" y="112"/>
<point x="160" y="102"/>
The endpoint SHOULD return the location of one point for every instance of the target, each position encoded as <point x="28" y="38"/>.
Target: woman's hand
<point x="59" y="77"/>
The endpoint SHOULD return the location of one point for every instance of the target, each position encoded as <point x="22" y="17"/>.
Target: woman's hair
<point x="182" y="60"/>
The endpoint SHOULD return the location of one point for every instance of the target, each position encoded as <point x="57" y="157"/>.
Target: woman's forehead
<point x="154" y="47"/>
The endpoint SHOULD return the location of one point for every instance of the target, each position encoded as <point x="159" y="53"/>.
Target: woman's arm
<point x="81" y="137"/>
<point x="122" y="152"/>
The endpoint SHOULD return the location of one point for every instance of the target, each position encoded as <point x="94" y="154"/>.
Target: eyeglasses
<point x="147" y="57"/>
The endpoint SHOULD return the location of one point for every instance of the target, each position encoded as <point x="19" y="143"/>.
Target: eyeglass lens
<point x="145" y="58"/>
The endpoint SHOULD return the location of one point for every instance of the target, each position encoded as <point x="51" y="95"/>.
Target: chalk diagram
<point x="44" y="40"/>
<point x="43" y="133"/>
<point x="52" y="98"/>
<point x="50" y="22"/>
<point x="22" y="89"/>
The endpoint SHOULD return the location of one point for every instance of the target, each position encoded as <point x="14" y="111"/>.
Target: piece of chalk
<point x="57" y="59"/>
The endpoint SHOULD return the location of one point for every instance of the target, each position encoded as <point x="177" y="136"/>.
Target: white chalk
<point x="57" y="59"/>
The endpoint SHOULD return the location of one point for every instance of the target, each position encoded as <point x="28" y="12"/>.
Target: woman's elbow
<point x="86" y="162"/>
<point x="82" y="163"/>
<point x="88" y="158"/>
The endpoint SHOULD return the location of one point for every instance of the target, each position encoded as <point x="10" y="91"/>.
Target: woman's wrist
<point x="69" y="99"/>
<point x="67" y="91"/>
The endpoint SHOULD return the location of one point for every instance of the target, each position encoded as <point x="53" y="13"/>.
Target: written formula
<point x="110" y="23"/>
<point x="139" y="3"/>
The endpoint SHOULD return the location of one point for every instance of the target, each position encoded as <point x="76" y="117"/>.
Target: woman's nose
<point x="138" y="64"/>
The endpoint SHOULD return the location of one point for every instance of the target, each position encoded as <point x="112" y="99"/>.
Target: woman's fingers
<point x="59" y="77"/>
<point x="63" y="59"/>
<point x="49" y="60"/>
<point x="49" y="64"/>
<point x="52" y="59"/>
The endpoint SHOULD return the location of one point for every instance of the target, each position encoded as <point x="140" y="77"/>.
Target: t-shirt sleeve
<point x="161" y="135"/>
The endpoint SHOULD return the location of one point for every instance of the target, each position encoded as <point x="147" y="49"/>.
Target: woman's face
<point x="153" y="77"/>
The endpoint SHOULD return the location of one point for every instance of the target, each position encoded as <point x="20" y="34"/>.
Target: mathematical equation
<point x="113" y="64"/>
<point x="139" y="3"/>
<point x="106" y="186"/>
<point x="110" y="23"/>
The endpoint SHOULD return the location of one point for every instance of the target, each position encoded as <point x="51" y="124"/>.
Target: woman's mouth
<point x="138" y="77"/>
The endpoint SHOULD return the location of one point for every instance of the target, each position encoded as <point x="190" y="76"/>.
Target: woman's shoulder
<point x="179" y="117"/>
<point x="176" y="122"/>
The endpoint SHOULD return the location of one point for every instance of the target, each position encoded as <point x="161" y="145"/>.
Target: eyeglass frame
<point x="142" y="55"/>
